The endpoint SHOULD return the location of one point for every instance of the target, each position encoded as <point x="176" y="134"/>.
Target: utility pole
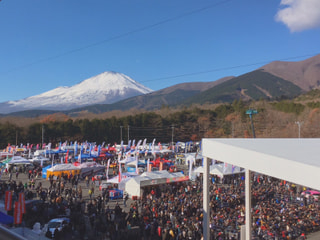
<point x="42" y="137"/>
<point x="250" y="112"/>
<point x="299" y="126"/>
<point x="121" y="133"/>
<point x="172" y="135"/>
<point x="128" y="133"/>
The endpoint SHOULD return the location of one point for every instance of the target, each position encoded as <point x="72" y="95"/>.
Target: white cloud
<point x="299" y="15"/>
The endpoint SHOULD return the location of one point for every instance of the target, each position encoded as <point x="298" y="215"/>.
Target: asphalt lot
<point x="45" y="183"/>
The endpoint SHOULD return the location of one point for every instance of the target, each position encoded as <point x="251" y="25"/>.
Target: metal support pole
<point x="253" y="132"/>
<point x="172" y="136"/>
<point x="128" y="133"/>
<point x="42" y="136"/>
<point x="250" y="112"/>
<point x="299" y="127"/>
<point x="206" y="199"/>
<point x="248" y="203"/>
<point x="121" y="133"/>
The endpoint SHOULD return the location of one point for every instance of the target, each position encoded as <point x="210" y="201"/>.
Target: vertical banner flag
<point x="137" y="156"/>
<point x="22" y="202"/>
<point x="144" y="143"/>
<point x="191" y="160"/>
<point x="108" y="165"/>
<point x="120" y="170"/>
<point x="79" y="157"/>
<point x="8" y="201"/>
<point x="17" y="213"/>
<point x="161" y="166"/>
<point x="75" y="148"/>
<point x="67" y="155"/>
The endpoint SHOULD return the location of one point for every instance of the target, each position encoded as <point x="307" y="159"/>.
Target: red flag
<point x="22" y="202"/>
<point x="120" y="177"/>
<point x="8" y="201"/>
<point x="17" y="213"/>
<point x="67" y="155"/>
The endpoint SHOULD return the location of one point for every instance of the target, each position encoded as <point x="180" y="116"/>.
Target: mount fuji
<point x="105" y="88"/>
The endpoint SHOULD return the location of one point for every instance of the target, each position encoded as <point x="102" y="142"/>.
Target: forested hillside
<point x="278" y="119"/>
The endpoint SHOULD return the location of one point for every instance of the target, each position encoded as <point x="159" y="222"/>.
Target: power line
<point x="224" y="68"/>
<point x="141" y="29"/>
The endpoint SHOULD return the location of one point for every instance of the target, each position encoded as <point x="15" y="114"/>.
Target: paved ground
<point x="85" y="190"/>
<point x="112" y="203"/>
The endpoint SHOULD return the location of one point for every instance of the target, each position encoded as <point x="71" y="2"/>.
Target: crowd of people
<point x="171" y="211"/>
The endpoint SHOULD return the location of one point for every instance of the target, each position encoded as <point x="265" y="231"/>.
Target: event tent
<point x="221" y="169"/>
<point x="133" y="185"/>
<point x="19" y="160"/>
<point x="124" y="176"/>
<point x="60" y="169"/>
<point x="89" y="168"/>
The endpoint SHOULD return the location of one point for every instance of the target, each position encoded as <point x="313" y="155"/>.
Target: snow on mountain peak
<point x="105" y="88"/>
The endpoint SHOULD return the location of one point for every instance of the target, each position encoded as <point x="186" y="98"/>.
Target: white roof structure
<point x="294" y="160"/>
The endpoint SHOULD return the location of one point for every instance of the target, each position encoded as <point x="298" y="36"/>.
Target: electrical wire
<point x="141" y="29"/>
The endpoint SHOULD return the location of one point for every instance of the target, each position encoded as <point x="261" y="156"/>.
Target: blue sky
<point x="50" y="43"/>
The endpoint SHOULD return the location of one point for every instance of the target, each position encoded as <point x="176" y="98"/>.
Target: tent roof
<point x="294" y="160"/>
<point x="63" y="167"/>
<point x="156" y="174"/>
<point x="220" y="169"/>
<point x="19" y="159"/>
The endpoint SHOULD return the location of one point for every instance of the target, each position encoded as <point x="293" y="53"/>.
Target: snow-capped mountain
<point x="105" y="88"/>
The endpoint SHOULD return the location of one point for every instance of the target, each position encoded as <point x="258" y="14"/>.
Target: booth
<point x="115" y="194"/>
<point x="64" y="169"/>
<point x="133" y="185"/>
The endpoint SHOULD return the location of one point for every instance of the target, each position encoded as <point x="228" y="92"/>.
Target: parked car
<point x="105" y="184"/>
<point x="56" y="223"/>
<point x="311" y="193"/>
<point x="100" y="176"/>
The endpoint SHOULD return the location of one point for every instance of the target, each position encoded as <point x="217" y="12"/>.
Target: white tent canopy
<point x="63" y="167"/>
<point x="19" y="160"/>
<point x="133" y="185"/>
<point x="124" y="176"/>
<point x="221" y="169"/>
<point x="88" y="168"/>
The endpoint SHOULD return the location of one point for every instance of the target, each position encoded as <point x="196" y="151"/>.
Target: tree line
<point x="187" y="124"/>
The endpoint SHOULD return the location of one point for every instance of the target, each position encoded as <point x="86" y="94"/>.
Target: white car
<point x="59" y="223"/>
<point x="105" y="184"/>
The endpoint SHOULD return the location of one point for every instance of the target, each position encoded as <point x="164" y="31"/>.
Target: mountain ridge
<point x="107" y="87"/>
<point x="276" y="80"/>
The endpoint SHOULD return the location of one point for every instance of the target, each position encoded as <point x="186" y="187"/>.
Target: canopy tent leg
<point x="248" y="204"/>
<point x="206" y="199"/>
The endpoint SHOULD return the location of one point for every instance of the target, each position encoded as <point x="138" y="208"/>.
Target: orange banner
<point x="161" y="166"/>
<point x="8" y="201"/>
<point x="17" y="213"/>
<point x="22" y="202"/>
